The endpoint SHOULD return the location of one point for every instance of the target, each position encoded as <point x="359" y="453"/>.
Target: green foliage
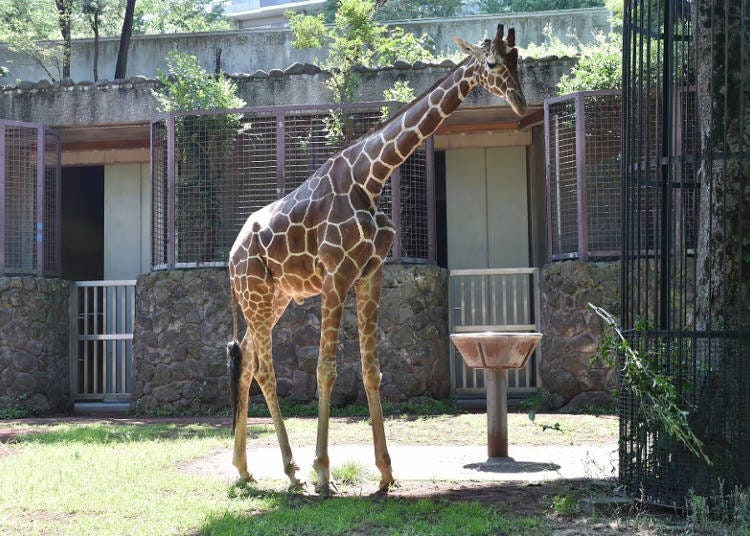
<point x="417" y="9"/>
<point x="177" y="16"/>
<point x="565" y="505"/>
<point x="204" y="142"/>
<point x="354" y="39"/>
<point x="600" y="67"/>
<point x="659" y="404"/>
<point x="23" y="23"/>
<point x="15" y="412"/>
<point x="400" y="92"/>
<point x="551" y="45"/>
<point x="187" y="86"/>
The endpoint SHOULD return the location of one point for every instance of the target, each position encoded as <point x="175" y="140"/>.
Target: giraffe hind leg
<point x="241" y="376"/>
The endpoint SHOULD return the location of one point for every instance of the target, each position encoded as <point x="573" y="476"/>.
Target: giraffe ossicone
<point x="328" y="236"/>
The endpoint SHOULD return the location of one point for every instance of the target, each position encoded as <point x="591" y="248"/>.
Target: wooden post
<point x="497" y="412"/>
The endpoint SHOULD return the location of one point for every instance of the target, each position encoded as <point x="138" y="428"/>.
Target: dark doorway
<point x="83" y="223"/>
<point x="441" y="218"/>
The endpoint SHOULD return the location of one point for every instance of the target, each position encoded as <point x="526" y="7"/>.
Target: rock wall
<point x="572" y="331"/>
<point x="34" y="331"/>
<point x="183" y="323"/>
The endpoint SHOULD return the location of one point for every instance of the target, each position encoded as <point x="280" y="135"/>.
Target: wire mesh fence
<point x="686" y="279"/>
<point x="212" y="169"/>
<point x="30" y="199"/>
<point x="582" y="141"/>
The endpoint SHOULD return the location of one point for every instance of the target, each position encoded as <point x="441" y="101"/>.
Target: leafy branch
<point x="659" y="401"/>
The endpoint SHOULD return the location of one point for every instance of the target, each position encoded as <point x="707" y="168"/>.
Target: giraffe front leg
<point x="332" y="306"/>
<point x="368" y="298"/>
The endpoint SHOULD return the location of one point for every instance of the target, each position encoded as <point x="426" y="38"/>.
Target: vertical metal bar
<point x="493" y="293"/>
<point x="124" y="329"/>
<point x="505" y="299"/>
<point x="58" y="204"/>
<point x="3" y="212"/>
<point x="280" y="153"/>
<point x="40" y="245"/>
<point x="171" y="193"/>
<point x="105" y="329"/>
<point x="85" y="388"/>
<point x="96" y="332"/>
<point x="429" y="164"/>
<point x="483" y="282"/>
<point x="396" y="213"/>
<point x="548" y="179"/>
<point x="514" y="280"/>
<point x="581" y="198"/>
<point x="73" y="338"/>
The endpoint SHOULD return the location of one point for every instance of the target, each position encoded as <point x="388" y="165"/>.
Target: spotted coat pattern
<point x="328" y="236"/>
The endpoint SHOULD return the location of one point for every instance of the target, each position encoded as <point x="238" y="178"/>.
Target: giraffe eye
<point x="491" y="65"/>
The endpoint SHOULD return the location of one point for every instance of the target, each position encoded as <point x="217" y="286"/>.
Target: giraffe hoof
<point x="327" y="490"/>
<point x="386" y="486"/>
<point x="298" y="487"/>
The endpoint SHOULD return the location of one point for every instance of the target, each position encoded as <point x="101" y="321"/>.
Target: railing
<point x="102" y="320"/>
<point x="499" y="299"/>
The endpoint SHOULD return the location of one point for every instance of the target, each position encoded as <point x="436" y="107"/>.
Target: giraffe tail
<point x="234" y="364"/>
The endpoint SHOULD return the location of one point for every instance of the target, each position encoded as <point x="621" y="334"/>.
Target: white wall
<point x="127" y="220"/>
<point x="487" y="208"/>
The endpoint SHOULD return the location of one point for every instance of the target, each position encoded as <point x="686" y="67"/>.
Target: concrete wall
<point x="34" y="333"/>
<point x="132" y="100"/>
<point x="246" y="51"/>
<point x="183" y="323"/>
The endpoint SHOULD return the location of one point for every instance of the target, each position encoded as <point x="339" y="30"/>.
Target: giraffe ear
<point x="468" y="48"/>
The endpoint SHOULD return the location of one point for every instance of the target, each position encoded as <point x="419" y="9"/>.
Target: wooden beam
<point x="475" y="127"/>
<point x="531" y="119"/>
<point x="476" y="140"/>
<point x="105" y="145"/>
<point x="105" y="157"/>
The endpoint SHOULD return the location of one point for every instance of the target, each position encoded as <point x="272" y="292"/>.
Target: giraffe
<point x="328" y="236"/>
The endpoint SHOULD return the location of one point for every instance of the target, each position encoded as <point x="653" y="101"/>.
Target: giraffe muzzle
<point x="517" y="101"/>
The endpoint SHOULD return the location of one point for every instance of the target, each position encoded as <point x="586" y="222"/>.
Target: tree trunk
<point x="96" y="46"/>
<point x="64" y="8"/>
<point x="127" y="29"/>
<point x="722" y="314"/>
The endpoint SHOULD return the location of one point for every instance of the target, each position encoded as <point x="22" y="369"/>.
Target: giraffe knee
<point x="326" y="374"/>
<point x="371" y="378"/>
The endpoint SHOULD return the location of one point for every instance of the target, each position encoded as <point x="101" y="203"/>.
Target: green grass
<point x="365" y="515"/>
<point x="125" y="479"/>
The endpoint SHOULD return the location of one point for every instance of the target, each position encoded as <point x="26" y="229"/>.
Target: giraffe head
<point x="497" y="67"/>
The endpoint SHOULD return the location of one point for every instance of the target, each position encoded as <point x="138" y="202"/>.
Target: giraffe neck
<point x="376" y="156"/>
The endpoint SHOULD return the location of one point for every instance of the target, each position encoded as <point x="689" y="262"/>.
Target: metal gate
<point x="495" y="299"/>
<point x="102" y="319"/>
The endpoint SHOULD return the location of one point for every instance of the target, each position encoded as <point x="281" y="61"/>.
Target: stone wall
<point x="132" y="100"/>
<point x="34" y="331"/>
<point x="572" y="331"/>
<point x="183" y="323"/>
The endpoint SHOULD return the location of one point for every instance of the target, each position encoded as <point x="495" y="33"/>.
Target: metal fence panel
<point x="501" y="299"/>
<point x="102" y="337"/>
<point x="685" y="242"/>
<point x="582" y="142"/>
<point x="30" y="199"/>
<point x="212" y="169"/>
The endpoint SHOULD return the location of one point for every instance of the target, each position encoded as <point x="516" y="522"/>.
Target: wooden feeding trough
<point x="496" y="352"/>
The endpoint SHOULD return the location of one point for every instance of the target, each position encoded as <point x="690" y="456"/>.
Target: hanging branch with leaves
<point x="657" y="396"/>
